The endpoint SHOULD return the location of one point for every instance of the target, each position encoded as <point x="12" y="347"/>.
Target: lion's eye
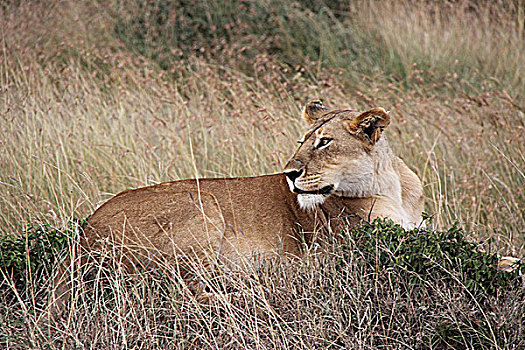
<point x="324" y="142"/>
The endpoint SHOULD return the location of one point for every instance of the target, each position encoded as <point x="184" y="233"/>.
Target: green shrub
<point x="28" y="257"/>
<point x="423" y="256"/>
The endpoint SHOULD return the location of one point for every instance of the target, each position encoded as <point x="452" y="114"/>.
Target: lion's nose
<point x="293" y="174"/>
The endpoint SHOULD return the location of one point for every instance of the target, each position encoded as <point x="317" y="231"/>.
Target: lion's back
<point x="193" y="216"/>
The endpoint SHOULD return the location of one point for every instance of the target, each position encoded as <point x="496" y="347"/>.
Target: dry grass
<point x="83" y="116"/>
<point x="467" y="38"/>
<point x="336" y="297"/>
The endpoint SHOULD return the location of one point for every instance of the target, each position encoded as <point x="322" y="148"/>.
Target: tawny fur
<point x="228" y="219"/>
<point x="346" y="149"/>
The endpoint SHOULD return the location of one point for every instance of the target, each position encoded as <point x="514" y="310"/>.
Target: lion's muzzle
<point x="326" y="190"/>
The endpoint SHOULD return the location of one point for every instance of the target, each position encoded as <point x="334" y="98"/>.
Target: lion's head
<point x="338" y="154"/>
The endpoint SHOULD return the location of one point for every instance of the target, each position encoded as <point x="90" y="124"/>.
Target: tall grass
<point x="100" y="96"/>
<point x="378" y="286"/>
<point x="465" y="38"/>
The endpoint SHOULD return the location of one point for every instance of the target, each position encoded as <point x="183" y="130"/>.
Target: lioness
<point x="343" y="171"/>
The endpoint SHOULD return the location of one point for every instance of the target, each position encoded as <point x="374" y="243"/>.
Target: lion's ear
<point x="369" y="125"/>
<point x="314" y="110"/>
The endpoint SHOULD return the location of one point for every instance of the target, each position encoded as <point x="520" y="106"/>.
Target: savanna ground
<point x="100" y="96"/>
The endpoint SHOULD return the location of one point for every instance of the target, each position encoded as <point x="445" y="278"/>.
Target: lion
<point x="342" y="172"/>
<point x="343" y="168"/>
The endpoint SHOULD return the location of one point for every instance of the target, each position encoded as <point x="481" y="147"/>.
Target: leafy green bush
<point x="28" y="257"/>
<point x="419" y="269"/>
<point x="424" y="256"/>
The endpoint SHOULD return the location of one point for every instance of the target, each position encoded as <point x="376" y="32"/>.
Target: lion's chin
<point x="310" y="201"/>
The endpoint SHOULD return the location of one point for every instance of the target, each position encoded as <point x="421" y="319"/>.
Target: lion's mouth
<point x="325" y="190"/>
